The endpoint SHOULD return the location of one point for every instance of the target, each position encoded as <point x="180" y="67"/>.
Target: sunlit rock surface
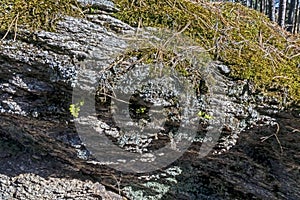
<point x="42" y="154"/>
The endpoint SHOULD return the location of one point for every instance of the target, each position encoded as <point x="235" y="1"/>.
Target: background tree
<point x="282" y="13"/>
<point x="272" y="10"/>
<point x="285" y="12"/>
<point x="291" y="15"/>
<point x="296" y="18"/>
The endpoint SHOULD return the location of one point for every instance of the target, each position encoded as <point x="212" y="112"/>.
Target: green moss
<point x="244" y="39"/>
<point x="34" y="14"/>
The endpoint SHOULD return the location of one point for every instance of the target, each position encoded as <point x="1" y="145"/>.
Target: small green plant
<point x="204" y="115"/>
<point x="92" y="10"/>
<point x="75" y="108"/>
<point x="141" y="110"/>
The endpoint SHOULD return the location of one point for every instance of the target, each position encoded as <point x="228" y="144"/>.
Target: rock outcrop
<point x="42" y="155"/>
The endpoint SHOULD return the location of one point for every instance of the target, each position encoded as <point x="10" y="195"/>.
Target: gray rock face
<point x="37" y="74"/>
<point x="31" y="186"/>
<point x="104" y="5"/>
<point x="42" y="155"/>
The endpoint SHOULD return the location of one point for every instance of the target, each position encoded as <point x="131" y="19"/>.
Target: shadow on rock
<point x="253" y="169"/>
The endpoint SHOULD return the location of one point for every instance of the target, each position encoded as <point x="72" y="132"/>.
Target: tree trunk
<point x="262" y="6"/>
<point x="291" y="15"/>
<point x="282" y="13"/>
<point x="296" y="20"/>
<point x="256" y="4"/>
<point x="272" y="10"/>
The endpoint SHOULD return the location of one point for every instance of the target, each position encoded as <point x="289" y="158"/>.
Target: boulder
<point x="44" y="155"/>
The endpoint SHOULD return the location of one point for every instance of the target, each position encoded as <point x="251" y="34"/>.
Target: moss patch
<point x="244" y="39"/>
<point x="35" y="14"/>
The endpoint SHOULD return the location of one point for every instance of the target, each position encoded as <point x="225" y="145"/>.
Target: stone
<point x="43" y="156"/>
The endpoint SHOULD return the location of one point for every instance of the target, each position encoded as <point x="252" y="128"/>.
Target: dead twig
<point x="177" y="33"/>
<point x="13" y="22"/>
<point x="275" y="135"/>
<point x="294" y="130"/>
<point x="118" y="183"/>
<point x="120" y="100"/>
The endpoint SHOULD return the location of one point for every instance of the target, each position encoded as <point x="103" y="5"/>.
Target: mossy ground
<point x="244" y="39"/>
<point x="34" y="14"/>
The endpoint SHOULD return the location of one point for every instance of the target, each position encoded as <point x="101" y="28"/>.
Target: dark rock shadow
<point x="36" y="132"/>
<point x="250" y="170"/>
